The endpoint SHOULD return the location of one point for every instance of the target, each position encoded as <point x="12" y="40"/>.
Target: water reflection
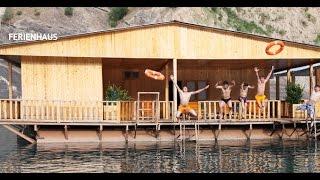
<point x="224" y="156"/>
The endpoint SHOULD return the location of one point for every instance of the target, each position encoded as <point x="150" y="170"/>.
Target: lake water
<point x="225" y="156"/>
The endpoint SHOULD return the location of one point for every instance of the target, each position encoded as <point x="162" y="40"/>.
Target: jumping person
<point x="244" y="96"/>
<point x="261" y="97"/>
<point x="226" y="95"/>
<point x="185" y="98"/>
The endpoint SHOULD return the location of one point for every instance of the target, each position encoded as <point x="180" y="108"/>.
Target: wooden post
<point x="289" y="78"/>
<point x="277" y="87"/>
<point x="175" y="92"/>
<point x="167" y="91"/>
<point x="10" y="80"/>
<point x="310" y="78"/>
<point x="317" y="74"/>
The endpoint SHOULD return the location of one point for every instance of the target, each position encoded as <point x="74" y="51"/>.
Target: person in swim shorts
<point x="185" y="98"/>
<point x="261" y="97"/>
<point x="244" y="96"/>
<point x="226" y="95"/>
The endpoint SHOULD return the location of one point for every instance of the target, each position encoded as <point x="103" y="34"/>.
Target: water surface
<point x="213" y="157"/>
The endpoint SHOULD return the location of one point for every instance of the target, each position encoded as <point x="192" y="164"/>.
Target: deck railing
<point x="124" y="111"/>
<point x="209" y="110"/>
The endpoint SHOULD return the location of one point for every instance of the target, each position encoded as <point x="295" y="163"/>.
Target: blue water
<point x="225" y="156"/>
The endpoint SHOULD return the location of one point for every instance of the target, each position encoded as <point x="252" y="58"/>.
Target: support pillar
<point x="311" y="79"/>
<point x="167" y="90"/>
<point x="317" y="74"/>
<point x="175" y="92"/>
<point x="10" y="80"/>
<point x="289" y="77"/>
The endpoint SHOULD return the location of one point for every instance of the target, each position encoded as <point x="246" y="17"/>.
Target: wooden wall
<point x="212" y="76"/>
<point x="114" y="75"/>
<point x="173" y="40"/>
<point x="204" y="43"/>
<point x="61" y="78"/>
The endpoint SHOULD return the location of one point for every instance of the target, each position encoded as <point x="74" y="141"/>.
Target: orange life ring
<point x="280" y="43"/>
<point x="154" y="74"/>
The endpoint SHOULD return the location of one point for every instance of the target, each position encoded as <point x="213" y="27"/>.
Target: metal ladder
<point x="182" y="124"/>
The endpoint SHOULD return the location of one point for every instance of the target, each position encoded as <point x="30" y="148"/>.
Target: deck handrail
<point x="120" y="111"/>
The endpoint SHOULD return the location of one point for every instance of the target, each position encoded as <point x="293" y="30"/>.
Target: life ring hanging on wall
<point x="273" y="43"/>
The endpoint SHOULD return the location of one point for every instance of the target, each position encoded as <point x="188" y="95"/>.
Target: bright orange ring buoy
<point x="154" y="74"/>
<point x="272" y="44"/>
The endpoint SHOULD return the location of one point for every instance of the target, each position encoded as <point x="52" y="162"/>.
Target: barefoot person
<point x="310" y="103"/>
<point x="226" y="95"/>
<point x="185" y="98"/>
<point x="260" y="97"/>
<point x="244" y="96"/>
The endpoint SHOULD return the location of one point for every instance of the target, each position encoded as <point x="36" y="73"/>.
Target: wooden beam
<point x="289" y="78"/>
<point x="167" y="90"/>
<point x="311" y="79"/>
<point x="66" y="136"/>
<point x="17" y="132"/>
<point x="317" y="74"/>
<point x="10" y="80"/>
<point x="175" y="91"/>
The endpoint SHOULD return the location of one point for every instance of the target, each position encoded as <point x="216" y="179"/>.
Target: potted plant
<point x="294" y="96"/>
<point x="114" y="95"/>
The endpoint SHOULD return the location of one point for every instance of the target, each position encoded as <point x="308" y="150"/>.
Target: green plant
<point x="317" y="40"/>
<point x="242" y="25"/>
<point x="116" y="93"/>
<point x="7" y="16"/>
<point x="19" y="13"/>
<point x="68" y="11"/>
<point x="36" y="12"/>
<point x="263" y="18"/>
<point x="294" y="93"/>
<point x="282" y="32"/>
<point x="310" y="17"/>
<point x="116" y="14"/>
<point x="270" y="29"/>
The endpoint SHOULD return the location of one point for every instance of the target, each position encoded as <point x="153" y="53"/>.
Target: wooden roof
<point x="166" y="40"/>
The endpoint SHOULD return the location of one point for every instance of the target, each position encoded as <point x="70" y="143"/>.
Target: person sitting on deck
<point x="244" y="96"/>
<point x="226" y="95"/>
<point x="185" y="98"/>
<point x="261" y="97"/>
<point x="310" y="103"/>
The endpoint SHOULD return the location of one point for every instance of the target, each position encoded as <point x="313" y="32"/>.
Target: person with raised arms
<point x="261" y="97"/>
<point x="185" y="98"/>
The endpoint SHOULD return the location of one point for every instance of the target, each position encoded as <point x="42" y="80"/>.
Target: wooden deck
<point x="15" y="114"/>
<point x="124" y="113"/>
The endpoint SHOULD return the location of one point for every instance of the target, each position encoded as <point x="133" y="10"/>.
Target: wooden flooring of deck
<point x="152" y="123"/>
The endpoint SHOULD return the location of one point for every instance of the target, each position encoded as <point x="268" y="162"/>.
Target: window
<point x="195" y="85"/>
<point x="131" y="75"/>
<point x="203" y="95"/>
<point x="191" y="85"/>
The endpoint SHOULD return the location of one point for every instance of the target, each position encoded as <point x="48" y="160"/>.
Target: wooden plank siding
<point x="61" y="78"/>
<point x="113" y="73"/>
<point x="164" y="41"/>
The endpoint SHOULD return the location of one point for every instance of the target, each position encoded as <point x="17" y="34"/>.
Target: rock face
<point x="294" y="24"/>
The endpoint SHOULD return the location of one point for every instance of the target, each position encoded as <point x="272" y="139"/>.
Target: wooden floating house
<point x="63" y="82"/>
